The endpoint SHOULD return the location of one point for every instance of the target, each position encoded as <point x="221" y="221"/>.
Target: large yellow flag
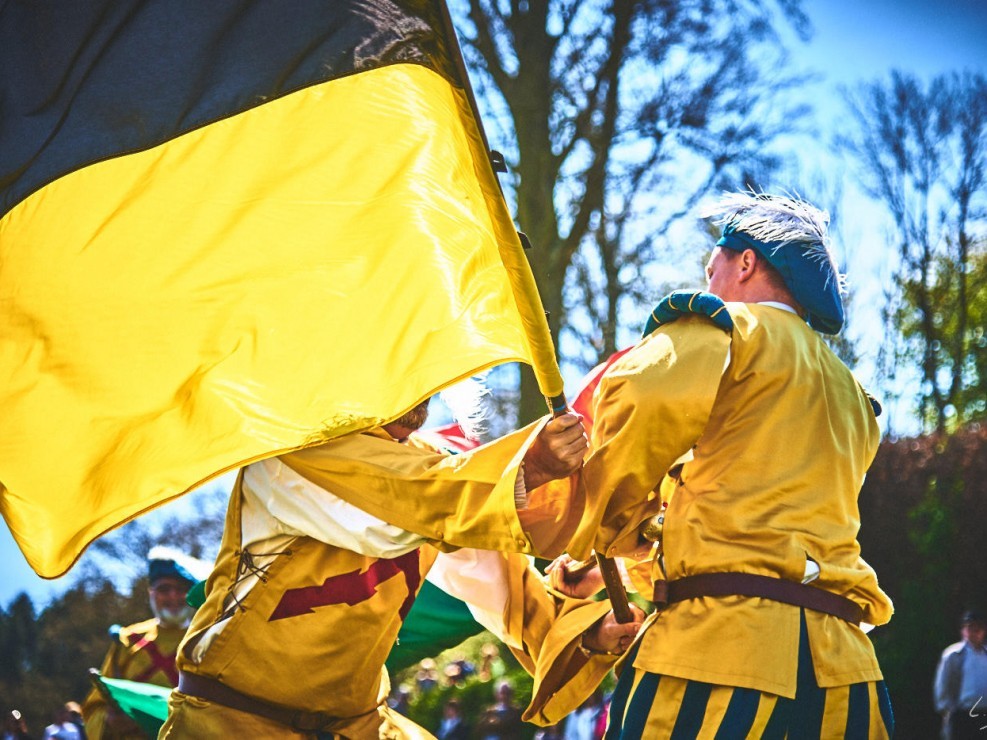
<point x="229" y="230"/>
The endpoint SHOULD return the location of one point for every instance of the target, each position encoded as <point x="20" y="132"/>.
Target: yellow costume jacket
<point x="314" y="630"/>
<point x="143" y="652"/>
<point x="780" y="435"/>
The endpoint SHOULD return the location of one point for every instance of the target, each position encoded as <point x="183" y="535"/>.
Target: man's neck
<point x="779" y="304"/>
<point x="760" y="290"/>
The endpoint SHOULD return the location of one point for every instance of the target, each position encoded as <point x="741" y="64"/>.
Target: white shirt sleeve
<point x="480" y="579"/>
<point x="277" y="500"/>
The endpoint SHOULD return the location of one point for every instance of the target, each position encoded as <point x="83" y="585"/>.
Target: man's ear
<point x="747" y="265"/>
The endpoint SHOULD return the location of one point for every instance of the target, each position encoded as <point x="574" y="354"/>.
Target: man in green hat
<point x="145" y="652"/>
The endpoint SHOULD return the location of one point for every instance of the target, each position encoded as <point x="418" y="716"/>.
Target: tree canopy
<point x="921" y="151"/>
<point x="617" y="116"/>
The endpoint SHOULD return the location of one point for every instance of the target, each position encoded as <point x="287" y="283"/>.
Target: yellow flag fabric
<point x="302" y="268"/>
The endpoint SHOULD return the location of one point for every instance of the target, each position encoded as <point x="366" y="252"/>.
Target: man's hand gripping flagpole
<point x="608" y="566"/>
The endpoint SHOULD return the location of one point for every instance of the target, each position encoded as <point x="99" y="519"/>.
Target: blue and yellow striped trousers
<point x="654" y="707"/>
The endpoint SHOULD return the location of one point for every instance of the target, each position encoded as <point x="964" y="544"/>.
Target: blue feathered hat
<point x="166" y="562"/>
<point x="792" y="236"/>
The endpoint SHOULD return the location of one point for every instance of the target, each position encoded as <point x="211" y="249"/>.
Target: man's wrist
<point x="591" y="652"/>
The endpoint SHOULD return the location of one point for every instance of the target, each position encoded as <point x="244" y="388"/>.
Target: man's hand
<point x="575" y="578"/>
<point x="557" y="451"/>
<point x="609" y="636"/>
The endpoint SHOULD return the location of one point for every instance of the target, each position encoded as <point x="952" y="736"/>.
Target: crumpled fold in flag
<point x="229" y="230"/>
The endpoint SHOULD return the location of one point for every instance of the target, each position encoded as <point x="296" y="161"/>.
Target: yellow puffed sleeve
<point x="649" y="409"/>
<point x="464" y="500"/>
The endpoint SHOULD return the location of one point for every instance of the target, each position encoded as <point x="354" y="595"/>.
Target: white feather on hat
<point x="465" y="400"/>
<point x="780" y="220"/>
<point x="199" y="569"/>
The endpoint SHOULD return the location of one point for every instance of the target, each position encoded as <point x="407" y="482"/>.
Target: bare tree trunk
<point x="559" y="67"/>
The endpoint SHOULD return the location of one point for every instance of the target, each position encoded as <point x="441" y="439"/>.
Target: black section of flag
<point x="85" y="81"/>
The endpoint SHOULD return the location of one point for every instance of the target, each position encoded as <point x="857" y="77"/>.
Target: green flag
<point x="436" y="622"/>
<point x="145" y="703"/>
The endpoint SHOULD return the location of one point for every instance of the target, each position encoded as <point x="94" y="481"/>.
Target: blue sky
<point x="854" y="42"/>
<point x="862" y="39"/>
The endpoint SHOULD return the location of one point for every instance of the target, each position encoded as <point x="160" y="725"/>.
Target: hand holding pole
<point x="608" y="566"/>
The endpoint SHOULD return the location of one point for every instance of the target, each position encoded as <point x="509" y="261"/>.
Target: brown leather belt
<point x="217" y="692"/>
<point x="749" y="584"/>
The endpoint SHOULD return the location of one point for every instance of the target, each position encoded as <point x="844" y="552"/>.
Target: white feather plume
<point x="198" y="568"/>
<point x="786" y="219"/>
<point x="466" y="401"/>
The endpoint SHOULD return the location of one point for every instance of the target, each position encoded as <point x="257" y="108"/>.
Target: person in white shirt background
<point x="961" y="681"/>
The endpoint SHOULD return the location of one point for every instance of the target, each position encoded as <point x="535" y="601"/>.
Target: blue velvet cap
<point x="806" y="271"/>
<point x="161" y="564"/>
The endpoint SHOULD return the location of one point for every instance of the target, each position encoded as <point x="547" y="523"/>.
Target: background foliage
<point x="921" y="511"/>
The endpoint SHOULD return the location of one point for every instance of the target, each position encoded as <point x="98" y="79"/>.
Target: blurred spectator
<point x="458" y="670"/>
<point x="549" y="733"/>
<point x="584" y="723"/>
<point x="602" y="717"/>
<point x="427" y="677"/>
<point x="453" y="673"/>
<point x="62" y="727"/>
<point x="502" y="720"/>
<point x="400" y="700"/>
<point x="14" y="726"/>
<point x="961" y="681"/>
<point x="145" y="652"/>
<point x="453" y="726"/>
<point x="491" y="664"/>
<point x="75" y="717"/>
